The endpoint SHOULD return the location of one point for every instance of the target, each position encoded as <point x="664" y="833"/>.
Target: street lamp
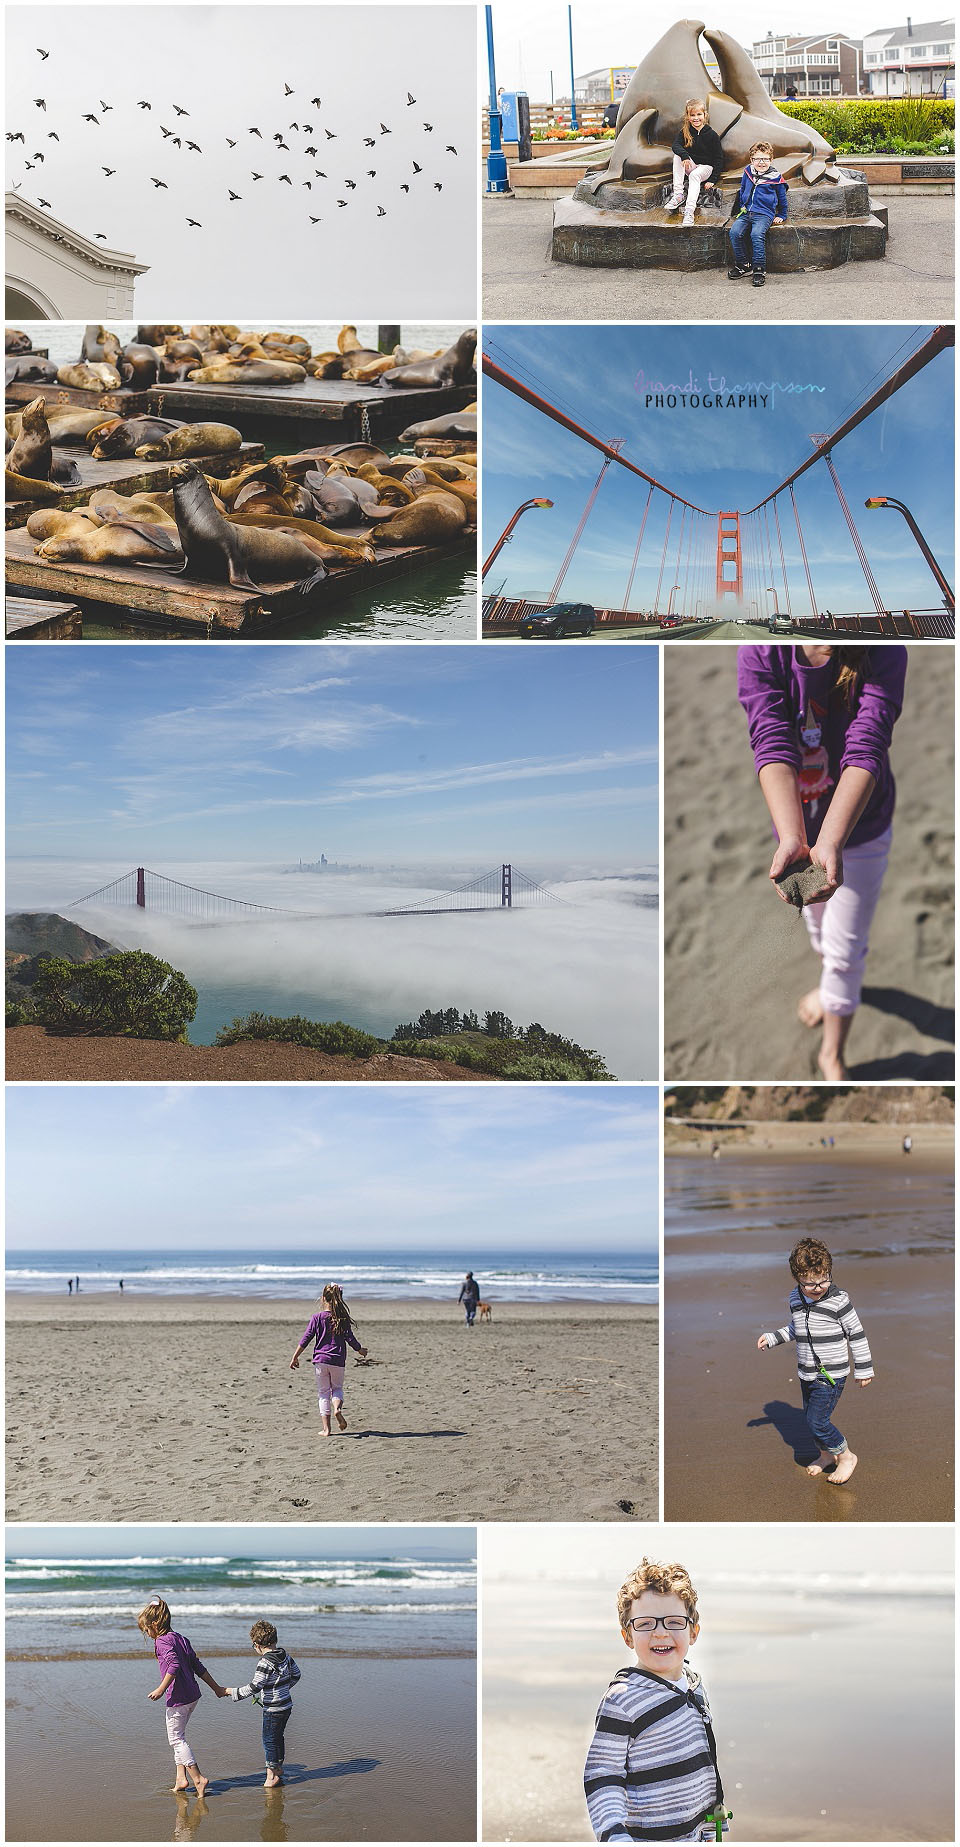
<point x="498" y="183"/>
<point x="773" y="592"/>
<point x="887" y="500"/>
<point x="508" y="530"/>
<point x="673" y="587"/>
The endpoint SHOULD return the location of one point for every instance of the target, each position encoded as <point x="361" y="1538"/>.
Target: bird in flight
<point x="438" y="185"/>
<point x="330" y="134"/>
<point x="230" y="144"/>
<point x="410" y="99"/>
<point x="283" y="145"/>
<point x="194" y="147"/>
<point x="44" y="54"/>
<point x="45" y="202"/>
<point x="162" y="183"/>
<point x="371" y="173"/>
<point x="380" y="212"/>
<point x="234" y="195"/>
<point x="308" y="184"/>
<point x="102" y="236"/>
<point x="404" y="188"/>
<point x="144" y="105"/>
<point x="18" y="136"/>
<point x="311" y="151"/>
<point x="417" y="169"/>
<point x="109" y="171"/>
<point x="28" y="166"/>
<point x="91" y="118"/>
<point x="285" y="180"/>
<point x="181" y="111"/>
<point x="166" y="132"/>
<point x="384" y="130"/>
<point x="39" y="157"/>
<point x="320" y="176"/>
<point x="255" y="176"/>
<point x="40" y="103"/>
<point x="287" y="90"/>
<point x="52" y="135"/>
<point x="316" y="102"/>
<point x="368" y="141"/>
<point x="341" y="201"/>
<point x="196" y="222"/>
<point x="313" y="220"/>
<point x="106" y="107"/>
<point x="352" y="185"/>
<point x="292" y="125"/>
<point x="254" y="131"/>
<point x="450" y="149"/>
<point x="176" y="141"/>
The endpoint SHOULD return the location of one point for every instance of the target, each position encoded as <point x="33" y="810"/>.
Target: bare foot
<point x="202" y="1785"/>
<point x="810" y="1008"/>
<point x="180" y="1789"/>
<point x="341" y="1420"/>
<point x="272" y="1782"/>
<point x="824" y="1466"/>
<point x="845" y="1466"/>
<point x="814" y="1468"/>
<point x="833" y="1068"/>
<point x="324" y="1433"/>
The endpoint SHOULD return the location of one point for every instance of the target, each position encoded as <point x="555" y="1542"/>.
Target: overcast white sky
<point x="531" y="35"/>
<point x="227" y="67"/>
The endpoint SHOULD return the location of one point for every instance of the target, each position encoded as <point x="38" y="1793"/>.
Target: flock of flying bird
<point x="172" y="139"/>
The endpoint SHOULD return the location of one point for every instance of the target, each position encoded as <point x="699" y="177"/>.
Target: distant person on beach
<point x="823" y="1321"/>
<point x="908" y="1144"/>
<point x="651" y="1771"/>
<point x="179" y="1665"/>
<point x="470" y="1297"/>
<point x="69" y="1285"/>
<point x="331" y="1330"/>
<point x="121" y="1285"/>
<point x="270" y="1684"/>
<point x="76" y="1284"/>
<point x="821" y="720"/>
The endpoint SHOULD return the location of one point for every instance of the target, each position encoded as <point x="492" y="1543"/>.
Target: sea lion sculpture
<point x="191" y="439"/>
<point x="454" y="367"/>
<point x="220" y="552"/>
<point x="741" y="112"/>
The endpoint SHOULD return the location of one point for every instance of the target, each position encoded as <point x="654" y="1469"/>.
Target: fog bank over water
<point x="586" y="968"/>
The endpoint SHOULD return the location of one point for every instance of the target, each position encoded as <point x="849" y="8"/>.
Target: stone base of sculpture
<point x="624" y="225"/>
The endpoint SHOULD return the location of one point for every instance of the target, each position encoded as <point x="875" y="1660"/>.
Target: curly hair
<point x="810" y="1258"/>
<point x="263" y="1634"/>
<point x="661" y="1578"/>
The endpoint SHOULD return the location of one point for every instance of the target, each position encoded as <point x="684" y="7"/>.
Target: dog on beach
<point x="485" y="1311"/>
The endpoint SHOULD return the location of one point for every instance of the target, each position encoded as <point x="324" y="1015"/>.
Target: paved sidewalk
<point x="914" y="282"/>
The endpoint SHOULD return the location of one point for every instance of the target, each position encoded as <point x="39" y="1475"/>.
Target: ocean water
<point x="392" y="1605"/>
<point x="417" y="1276"/>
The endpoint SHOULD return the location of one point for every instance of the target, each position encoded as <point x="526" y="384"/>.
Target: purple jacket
<point x="796" y="716"/>
<point x="176" y="1656"/>
<point x="331" y="1349"/>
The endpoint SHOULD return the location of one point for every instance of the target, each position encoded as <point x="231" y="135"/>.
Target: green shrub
<point x="332" y="1036"/>
<point x="512" y="1060"/>
<point x="869" y="124"/>
<point x="18" y="1014"/>
<point x="130" y="993"/>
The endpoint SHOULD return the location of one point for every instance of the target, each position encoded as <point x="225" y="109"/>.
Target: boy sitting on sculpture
<point x="762" y="202"/>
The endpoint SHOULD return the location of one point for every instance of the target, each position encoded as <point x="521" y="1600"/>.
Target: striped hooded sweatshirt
<point x="821" y="1331"/>
<point x="275" y="1674"/>
<point x="651" y="1772"/>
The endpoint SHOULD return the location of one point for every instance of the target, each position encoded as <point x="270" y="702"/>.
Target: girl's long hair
<point x="155" y="1619"/>
<point x="332" y="1298"/>
<point x="852" y="664"/>
<point x="694" y="102"/>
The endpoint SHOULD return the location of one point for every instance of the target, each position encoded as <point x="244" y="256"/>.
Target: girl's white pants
<point x="839" y="929"/>
<point x="329" y="1386"/>
<point x="177" y="1717"/>
<point x="696" y="179"/>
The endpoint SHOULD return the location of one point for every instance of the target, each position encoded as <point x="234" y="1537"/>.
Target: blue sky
<point x="403" y="754"/>
<point x="223" y="1540"/>
<point x="561" y="1169"/>
<point x="727" y="459"/>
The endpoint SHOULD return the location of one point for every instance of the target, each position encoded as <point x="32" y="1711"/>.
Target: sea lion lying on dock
<point x="23" y="487"/>
<point x="433" y="518"/>
<point x="100" y="347"/>
<point x="32" y="452"/>
<point x="16" y="341"/>
<point x="330" y="547"/>
<point x="266" y="371"/>
<point x="49" y="522"/>
<point x="191" y="439"/>
<point x="220" y="552"/>
<point x="139" y="366"/>
<point x="84" y="377"/>
<point x="66" y="425"/>
<point x="156" y="333"/>
<point x="30" y="371"/>
<point x="456" y="423"/>
<point x="122" y="437"/>
<point x="454" y="367"/>
<point x="115" y="542"/>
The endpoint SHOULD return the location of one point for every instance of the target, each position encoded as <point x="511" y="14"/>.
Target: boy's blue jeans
<point x="274" y="1725"/>
<point x="820" y="1400"/>
<point x="753" y="226"/>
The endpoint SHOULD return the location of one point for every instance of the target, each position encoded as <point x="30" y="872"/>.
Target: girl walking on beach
<point x="331" y="1330"/>
<point x="821" y="720"/>
<point x="179" y="1665"/>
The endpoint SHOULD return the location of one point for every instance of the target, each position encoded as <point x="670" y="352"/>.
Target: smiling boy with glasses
<point x="823" y="1321"/>
<point x="651" y="1771"/>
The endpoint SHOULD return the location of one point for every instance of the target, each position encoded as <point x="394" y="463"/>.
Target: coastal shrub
<point x="332" y="1036"/>
<point x="511" y="1059"/>
<point x="130" y="993"/>
<point x="18" y="1014"/>
<point x="866" y="125"/>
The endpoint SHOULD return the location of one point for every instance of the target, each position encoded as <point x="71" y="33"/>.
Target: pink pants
<point x="329" y="1385"/>
<point x="695" y="181"/>
<point x="839" y="930"/>
<point x="177" y="1717"/>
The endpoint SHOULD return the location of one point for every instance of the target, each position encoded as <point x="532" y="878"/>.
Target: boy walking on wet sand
<point x="827" y="1330"/>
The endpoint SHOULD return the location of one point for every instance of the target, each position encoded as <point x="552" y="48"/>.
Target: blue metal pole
<point x="573" y="93"/>
<point x="497" y="181"/>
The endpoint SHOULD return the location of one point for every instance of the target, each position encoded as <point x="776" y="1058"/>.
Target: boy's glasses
<point x="645" y="1625"/>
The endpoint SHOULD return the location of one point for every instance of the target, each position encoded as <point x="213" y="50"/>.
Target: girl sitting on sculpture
<point x="697" y="156"/>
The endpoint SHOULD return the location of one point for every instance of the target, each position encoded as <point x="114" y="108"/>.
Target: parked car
<point x="560" y="619"/>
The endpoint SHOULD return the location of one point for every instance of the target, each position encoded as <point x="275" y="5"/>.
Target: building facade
<point x="911" y="60"/>
<point x="56" y="274"/>
<point x="823" y="66"/>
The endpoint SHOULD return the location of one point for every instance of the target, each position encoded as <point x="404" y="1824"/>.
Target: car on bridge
<point x="559" y="620"/>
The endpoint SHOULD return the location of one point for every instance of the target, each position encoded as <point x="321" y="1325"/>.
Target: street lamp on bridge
<point x="508" y="530"/>
<point x="673" y="587"/>
<point x="887" y="500"/>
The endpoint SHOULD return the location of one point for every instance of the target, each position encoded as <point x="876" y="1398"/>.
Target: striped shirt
<point x="273" y="1677"/>
<point x="651" y="1770"/>
<point x="821" y="1331"/>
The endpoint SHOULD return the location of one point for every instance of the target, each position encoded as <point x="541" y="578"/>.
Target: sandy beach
<point x="879" y="1143"/>
<point x="737" y="959"/>
<point x="126" y="1408"/>
<point x="376" y="1750"/>
<point x="766" y="1656"/>
<point x="732" y="1415"/>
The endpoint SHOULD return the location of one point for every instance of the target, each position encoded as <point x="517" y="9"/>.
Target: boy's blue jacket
<point x="767" y="195"/>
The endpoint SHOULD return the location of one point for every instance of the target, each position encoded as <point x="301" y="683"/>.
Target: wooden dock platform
<point x="125" y="403"/>
<point x="29" y="619"/>
<point x="333" y="407"/>
<point x="201" y="608"/>
<point x="132" y="475"/>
